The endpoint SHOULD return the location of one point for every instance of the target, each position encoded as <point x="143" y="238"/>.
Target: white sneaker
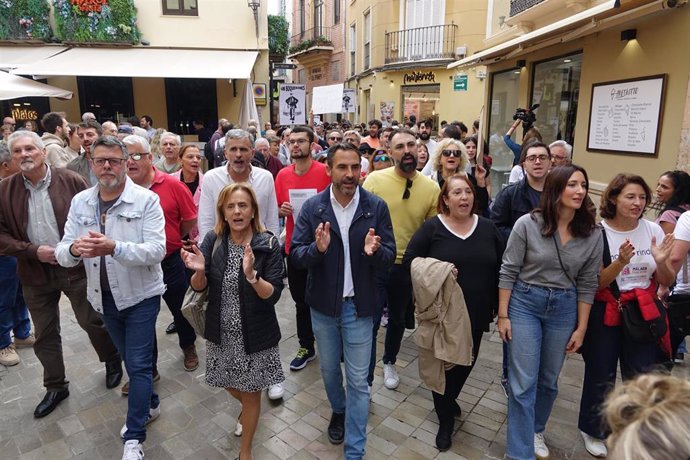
<point x="596" y="447"/>
<point x="9" y="356"/>
<point x="276" y="391"/>
<point x="238" y="426"/>
<point x="540" y="449"/>
<point x="390" y="376"/>
<point x="154" y="413"/>
<point x="133" y="450"/>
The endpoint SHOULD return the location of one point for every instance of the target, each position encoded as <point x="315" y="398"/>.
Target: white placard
<point x="292" y="103"/>
<point x="298" y="196"/>
<point x="327" y="99"/>
<point x="625" y="116"/>
<point x="349" y="100"/>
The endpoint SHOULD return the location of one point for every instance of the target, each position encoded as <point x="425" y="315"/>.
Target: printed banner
<point x="349" y="100"/>
<point x="292" y="104"/>
<point x="327" y="99"/>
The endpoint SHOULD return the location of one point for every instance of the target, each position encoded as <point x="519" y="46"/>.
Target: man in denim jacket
<point x="118" y="229"/>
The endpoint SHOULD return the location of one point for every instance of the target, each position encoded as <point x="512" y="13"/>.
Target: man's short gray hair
<point x="133" y="139"/>
<point x="173" y="135"/>
<point x="110" y="142"/>
<point x="35" y="138"/>
<point x="88" y="116"/>
<point x="238" y="134"/>
<point x="5" y="155"/>
<point x="568" y="148"/>
<point x="351" y="133"/>
<point x="263" y="141"/>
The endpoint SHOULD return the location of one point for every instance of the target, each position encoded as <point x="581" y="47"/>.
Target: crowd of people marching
<point x="372" y="226"/>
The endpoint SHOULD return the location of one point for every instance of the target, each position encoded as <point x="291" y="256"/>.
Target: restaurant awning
<point x="14" y="86"/>
<point x="561" y="26"/>
<point x="12" y="57"/>
<point x="145" y="62"/>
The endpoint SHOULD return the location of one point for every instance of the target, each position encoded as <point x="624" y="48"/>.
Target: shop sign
<point x="460" y="83"/>
<point x="416" y="77"/>
<point x="24" y="114"/>
<point x="90" y="5"/>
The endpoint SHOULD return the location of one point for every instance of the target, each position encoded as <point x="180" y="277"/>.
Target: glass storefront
<point x="505" y="87"/>
<point x="191" y="100"/>
<point x="421" y="101"/>
<point x="109" y="98"/>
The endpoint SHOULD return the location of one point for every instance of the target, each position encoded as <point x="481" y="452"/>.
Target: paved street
<point x="197" y="421"/>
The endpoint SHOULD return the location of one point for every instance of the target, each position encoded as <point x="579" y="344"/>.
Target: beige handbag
<point x="195" y="303"/>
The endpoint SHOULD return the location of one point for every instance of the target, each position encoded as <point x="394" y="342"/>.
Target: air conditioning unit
<point x="461" y="51"/>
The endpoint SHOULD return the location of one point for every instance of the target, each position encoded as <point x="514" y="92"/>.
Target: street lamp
<point x="254" y="5"/>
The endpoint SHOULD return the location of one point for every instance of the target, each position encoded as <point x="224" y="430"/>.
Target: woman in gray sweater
<point x="546" y="288"/>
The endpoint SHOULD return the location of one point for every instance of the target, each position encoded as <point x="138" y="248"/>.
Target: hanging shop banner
<point x="327" y="99"/>
<point x="349" y="100"/>
<point x="292" y="104"/>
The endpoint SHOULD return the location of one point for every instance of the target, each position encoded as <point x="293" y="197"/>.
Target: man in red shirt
<point x="294" y="184"/>
<point x="180" y="216"/>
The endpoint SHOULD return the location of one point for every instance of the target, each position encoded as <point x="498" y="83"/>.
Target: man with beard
<point x="373" y="138"/>
<point x="88" y="132"/>
<point x="33" y="211"/>
<point x="180" y="213"/>
<point x="336" y="242"/>
<point x="55" y="137"/>
<point x="238" y="153"/>
<point x="170" y="148"/>
<point x="411" y="198"/>
<point x="309" y="177"/>
<point x="118" y="229"/>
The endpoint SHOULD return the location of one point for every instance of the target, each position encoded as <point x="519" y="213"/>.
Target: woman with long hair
<point x="190" y="174"/>
<point x="638" y="263"/>
<point x="547" y="284"/>
<point x="471" y="143"/>
<point x="474" y="246"/>
<point x="242" y="266"/>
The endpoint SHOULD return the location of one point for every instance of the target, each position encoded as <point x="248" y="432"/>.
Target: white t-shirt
<point x="516" y="174"/>
<point x="639" y="271"/>
<point x="682" y="232"/>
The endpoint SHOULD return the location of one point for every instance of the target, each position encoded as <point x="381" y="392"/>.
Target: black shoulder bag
<point x="635" y="327"/>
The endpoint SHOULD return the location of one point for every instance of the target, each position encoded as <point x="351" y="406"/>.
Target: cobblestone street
<point x="197" y="421"/>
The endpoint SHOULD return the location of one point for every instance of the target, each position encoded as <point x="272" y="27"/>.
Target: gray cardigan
<point x="532" y="259"/>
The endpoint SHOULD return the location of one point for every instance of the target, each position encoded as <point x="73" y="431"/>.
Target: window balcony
<point x="305" y="45"/>
<point x="421" y="44"/>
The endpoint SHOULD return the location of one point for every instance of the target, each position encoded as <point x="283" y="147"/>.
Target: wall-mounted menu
<point x="625" y="116"/>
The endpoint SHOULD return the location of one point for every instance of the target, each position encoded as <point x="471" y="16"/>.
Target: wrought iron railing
<point x="422" y="43"/>
<point x="518" y="6"/>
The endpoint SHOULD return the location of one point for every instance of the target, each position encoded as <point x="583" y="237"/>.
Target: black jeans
<point x="445" y="404"/>
<point x="396" y="291"/>
<point x="603" y="347"/>
<point x="297" y="278"/>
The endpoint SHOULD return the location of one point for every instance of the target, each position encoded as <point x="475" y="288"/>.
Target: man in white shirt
<point x="238" y="151"/>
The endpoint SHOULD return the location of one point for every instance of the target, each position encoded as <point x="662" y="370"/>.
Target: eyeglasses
<point x="379" y="158"/>
<point x="533" y="158"/>
<point x="297" y="141"/>
<point x="111" y="161"/>
<point x="448" y="153"/>
<point x="138" y="156"/>
<point x="558" y="157"/>
<point x="408" y="186"/>
<point x="335" y="138"/>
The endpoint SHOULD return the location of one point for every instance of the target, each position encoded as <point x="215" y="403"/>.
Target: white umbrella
<point x="248" y="109"/>
<point x="14" y="86"/>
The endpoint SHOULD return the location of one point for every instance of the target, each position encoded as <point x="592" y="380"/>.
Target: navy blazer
<point x="325" y="280"/>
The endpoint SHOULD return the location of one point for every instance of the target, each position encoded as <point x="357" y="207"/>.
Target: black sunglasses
<point x="448" y="153"/>
<point x="408" y="186"/>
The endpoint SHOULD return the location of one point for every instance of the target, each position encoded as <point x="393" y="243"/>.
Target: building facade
<point x="611" y="78"/>
<point x="397" y="57"/>
<point x="189" y="61"/>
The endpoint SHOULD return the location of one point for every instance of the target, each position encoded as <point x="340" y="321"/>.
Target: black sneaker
<point x="336" y="428"/>
<point x="304" y="355"/>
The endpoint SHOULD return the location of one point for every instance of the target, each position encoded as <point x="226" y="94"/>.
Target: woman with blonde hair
<point x="242" y="266"/>
<point x="649" y="419"/>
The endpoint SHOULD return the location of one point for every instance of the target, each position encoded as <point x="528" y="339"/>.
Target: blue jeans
<point x="132" y="331"/>
<point x="351" y="335"/>
<point x="542" y="321"/>
<point x="14" y="315"/>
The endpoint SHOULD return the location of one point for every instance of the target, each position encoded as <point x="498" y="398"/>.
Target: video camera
<point x="527" y="116"/>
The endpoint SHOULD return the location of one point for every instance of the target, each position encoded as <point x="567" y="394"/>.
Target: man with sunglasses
<point x="411" y="199"/>
<point x="117" y="229"/>
<point x="180" y="215"/>
<point x="33" y="210"/>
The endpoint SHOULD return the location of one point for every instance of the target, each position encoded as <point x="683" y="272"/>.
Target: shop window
<point x="26" y="109"/>
<point x="191" y="100"/>
<point x="422" y="102"/>
<point x="180" y="7"/>
<point x="109" y="98"/>
<point x="505" y="88"/>
<point x="556" y="88"/>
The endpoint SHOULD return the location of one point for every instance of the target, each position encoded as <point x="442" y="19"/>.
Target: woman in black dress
<point x="474" y="245"/>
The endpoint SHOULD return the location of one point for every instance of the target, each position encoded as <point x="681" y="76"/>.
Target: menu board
<point x="625" y="116"/>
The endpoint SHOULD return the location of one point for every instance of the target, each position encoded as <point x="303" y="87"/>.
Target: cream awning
<point x="145" y="62"/>
<point x="14" y="86"/>
<point x="12" y="57"/>
<point x="530" y="37"/>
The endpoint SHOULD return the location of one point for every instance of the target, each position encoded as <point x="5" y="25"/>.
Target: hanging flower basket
<point x="96" y="21"/>
<point x="25" y="20"/>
